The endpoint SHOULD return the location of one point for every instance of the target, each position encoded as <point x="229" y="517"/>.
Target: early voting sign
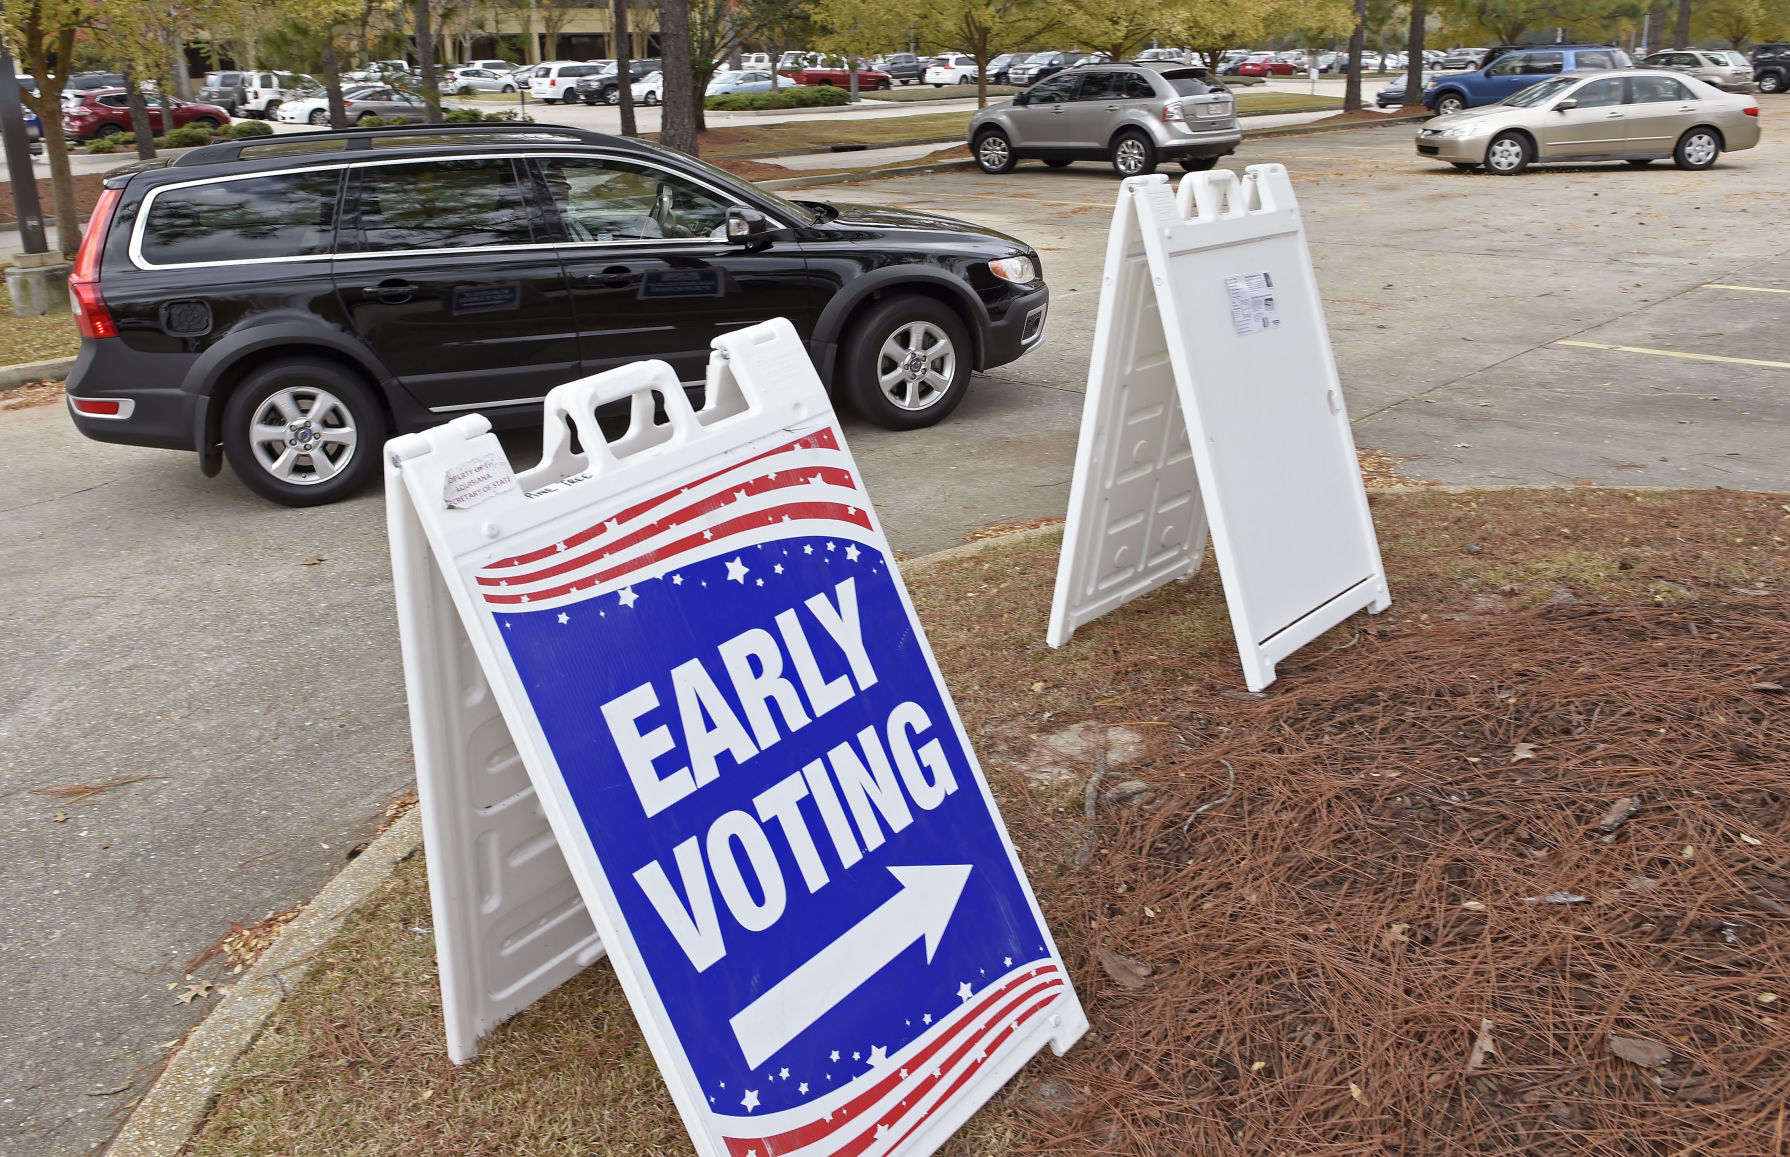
<point x="745" y="752"/>
<point x="1213" y="402"/>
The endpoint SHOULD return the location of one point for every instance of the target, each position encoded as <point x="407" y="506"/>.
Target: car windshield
<point x="1539" y="94"/>
<point x="746" y="190"/>
<point x="1041" y="58"/>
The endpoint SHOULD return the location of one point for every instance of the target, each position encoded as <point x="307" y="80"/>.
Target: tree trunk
<point x="332" y="83"/>
<point x="133" y="95"/>
<point x="1414" y="54"/>
<point x="1682" y="38"/>
<point x="677" y="123"/>
<point x="182" y="79"/>
<point x="624" y="90"/>
<point x="425" y="59"/>
<point x="47" y="104"/>
<point x="1357" y="45"/>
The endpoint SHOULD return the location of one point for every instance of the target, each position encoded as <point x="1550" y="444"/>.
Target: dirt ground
<point x="1505" y="868"/>
<point x="87" y="190"/>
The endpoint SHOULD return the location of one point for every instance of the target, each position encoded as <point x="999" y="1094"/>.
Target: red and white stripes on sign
<point x="804" y="486"/>
<point x="896" y="1102"/>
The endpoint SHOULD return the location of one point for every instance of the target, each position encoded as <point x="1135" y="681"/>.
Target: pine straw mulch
<point x="1414" y="845"/>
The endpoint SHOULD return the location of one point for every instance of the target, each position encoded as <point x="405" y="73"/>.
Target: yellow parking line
<point x="1744" y="288"/>
<point x="1635" y="349"/>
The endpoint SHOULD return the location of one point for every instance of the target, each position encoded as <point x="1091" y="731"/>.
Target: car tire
<point x="1508" y="154"/>
<point x="612" y="96"/>
<point x="464" y="90"/>
<point x="1450" y="103"/>
<point x="883" y="86"/>
<point x="205" y="122"/>
<point x="1133" y="154"/>
<point x="320" y="117"/>
<point x="512" y="88"/>
<point x="273" y="106"/>
<point x="107" y="130"/>
<point x="939" y="85"/>
<point x="924" y="383"/>
<point x="1771" y="82"/>
<point x="650" y="99"/>
<point x="1697" y="149"/>
<point x="994" y="152"/>
<point x="294" y="390"/>
<point x="1198" y="164"/>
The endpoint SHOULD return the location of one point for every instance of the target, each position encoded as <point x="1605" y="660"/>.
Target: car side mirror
<point x="1569" y="102"/>
<point x="1023" y="97"/>
<point x="747" y="226"/>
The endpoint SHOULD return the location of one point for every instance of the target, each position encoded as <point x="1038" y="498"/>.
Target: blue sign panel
<point x="800" y="845"/>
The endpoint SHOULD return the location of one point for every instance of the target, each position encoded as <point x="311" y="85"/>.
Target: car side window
<point x="1600" y="93"/>
<point x="1657" y="90"/>
<point x="281" y="215"/>
<point x="1594" y="61"/>
<point x="1541" y="63"/>
<point x="1138" y="87"/>
<point x="1506" y="66"/>
<point x="1053" y="90"/>
<point x="602" y="200"/>
<point x="441" y="205"/>
<point x="1099" y="86"/>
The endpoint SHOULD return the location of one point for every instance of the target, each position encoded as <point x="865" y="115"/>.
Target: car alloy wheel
<point x="1133" y="156"/>
<point x="916" y="365"/>
<point x="613" y="96"/>
<point x="107" y="130"/>
<point x="320" y="117"/>
<point x="1507" y="155"/>
<point x="509" y="88"/>
<point x="303" y="432"/>
<point x="273" y="106"/>
<point x="994" y="153"/>
<point x="1771" y="82"/>
<point x="1698" y="149"/>
<point x="1449" y="105"/>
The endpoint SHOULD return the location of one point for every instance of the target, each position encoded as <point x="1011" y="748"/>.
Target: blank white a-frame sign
<point x="1213" y="400"/>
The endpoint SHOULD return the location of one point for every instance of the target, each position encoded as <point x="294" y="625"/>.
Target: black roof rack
<point x="357" y="139"/>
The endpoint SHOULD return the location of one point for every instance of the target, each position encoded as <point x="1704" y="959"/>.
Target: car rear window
<point x="280" y="215"/>
<point x="441" y="205"/>
<point x="1186" y="83"/>
<point x="1594" y="60"/>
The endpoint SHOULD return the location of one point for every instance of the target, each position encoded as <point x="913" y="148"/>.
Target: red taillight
<point x="1172" y="111"/>
<point x="1751" y="110"/>
<point x="101" y="407"/>
<point x="552" y="82"/>
<point x="91" y="315"/>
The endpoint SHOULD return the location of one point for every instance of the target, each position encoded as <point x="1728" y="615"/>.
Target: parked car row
<point x="105" y="112"/>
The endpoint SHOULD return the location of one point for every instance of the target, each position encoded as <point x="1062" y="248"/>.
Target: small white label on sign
<point x="1253" y="307"/>
<point x="477" y="479"/>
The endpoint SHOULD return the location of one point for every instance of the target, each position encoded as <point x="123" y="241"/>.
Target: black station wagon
<point x="290" y="303"/>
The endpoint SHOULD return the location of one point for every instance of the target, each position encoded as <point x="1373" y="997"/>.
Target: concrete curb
<point x="182" y="1095"/>
<point x="12" y="377"/>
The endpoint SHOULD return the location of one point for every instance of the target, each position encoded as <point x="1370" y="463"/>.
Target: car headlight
<point x="1462" y="131"/>
<point x="1018" y="270"/>
<point x="1432" y="82"/>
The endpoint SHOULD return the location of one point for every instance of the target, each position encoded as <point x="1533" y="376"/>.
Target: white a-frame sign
<point x="1213" y="398"/>
<point x="671" y="701"/>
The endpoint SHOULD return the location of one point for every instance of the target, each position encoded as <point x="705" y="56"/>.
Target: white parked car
<point x="501" y="67"/>
<point x="649" y="89"/>
<point x="465" y="81"/>
<point x="951" y="68"/>
<point x="557" y="80"/>
<point x="313" y="108"/>
<point x="745" y="80"/>
<point x="755" y="60"/>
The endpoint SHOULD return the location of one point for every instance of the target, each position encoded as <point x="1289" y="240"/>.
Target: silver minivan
<point x="1132" y="116"/>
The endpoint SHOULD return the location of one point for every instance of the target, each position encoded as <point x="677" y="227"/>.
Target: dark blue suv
<point x="1514" y="71"/>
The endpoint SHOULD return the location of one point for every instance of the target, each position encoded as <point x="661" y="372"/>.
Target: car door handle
<point x="613" y="277"/>
<point x="392" y="291"/>
<point x="1615" y="113"/>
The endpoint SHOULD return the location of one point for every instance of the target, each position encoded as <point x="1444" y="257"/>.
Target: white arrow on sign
<point x="923" y="907"/>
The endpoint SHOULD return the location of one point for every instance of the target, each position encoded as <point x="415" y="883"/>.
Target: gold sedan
<point x="1633" y="115"/>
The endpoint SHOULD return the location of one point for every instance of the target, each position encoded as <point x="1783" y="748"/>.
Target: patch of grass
<point x="35" y="339"/>
<point x="906" y="94"/>
<point x="354" y="1062"/>
<point x="1264" y="102"/>
<point x="734" y="141"/>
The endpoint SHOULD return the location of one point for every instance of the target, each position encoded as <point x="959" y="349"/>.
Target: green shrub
<point x="187" y="137"/>
<point x="242" y="129"/>
<point x="377" y="122"/>
<point x="462" y="116"/>
<point x="103" y="145"/>
<point x="793" y="96"/>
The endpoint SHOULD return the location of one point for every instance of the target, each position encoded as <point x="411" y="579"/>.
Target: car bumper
<point x="1461" y="150"/>
<point x="1184" y="142"/>
<point x="1017" y="329"/>
<point x="153" y="408"/>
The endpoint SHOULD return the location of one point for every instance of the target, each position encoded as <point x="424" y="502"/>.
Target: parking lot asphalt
<point x="243" y="657"/>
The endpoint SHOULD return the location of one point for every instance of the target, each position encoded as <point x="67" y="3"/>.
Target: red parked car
<point x="104" y="112"/>
<point x="1264" y="65"/>
<point x="868" y="78"/>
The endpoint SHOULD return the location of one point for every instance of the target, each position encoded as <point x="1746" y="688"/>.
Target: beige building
<point x="530" y="31"/>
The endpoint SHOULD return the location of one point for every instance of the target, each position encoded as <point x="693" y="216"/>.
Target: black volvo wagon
<point x="289" y="303"/>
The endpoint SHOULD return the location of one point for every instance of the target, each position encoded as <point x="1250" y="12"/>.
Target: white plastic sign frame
<point x="700" y="644"/>
<point x="1213" y="401"/>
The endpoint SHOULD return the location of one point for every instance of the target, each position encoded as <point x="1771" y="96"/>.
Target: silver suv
<point x="1132" y="116"/>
